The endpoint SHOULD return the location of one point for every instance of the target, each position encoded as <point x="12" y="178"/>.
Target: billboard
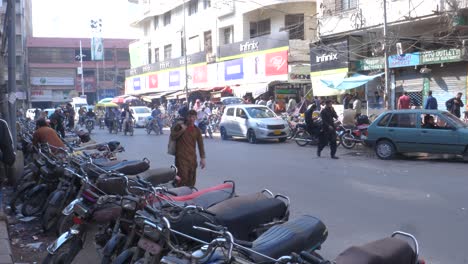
<point x="97" y="49"/>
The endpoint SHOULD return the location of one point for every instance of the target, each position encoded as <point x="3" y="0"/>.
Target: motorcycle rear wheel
<point x="348" y="141"/>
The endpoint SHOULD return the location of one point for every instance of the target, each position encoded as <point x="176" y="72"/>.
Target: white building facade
<point x="426" y="45"/>
<point x="253" y="48"/>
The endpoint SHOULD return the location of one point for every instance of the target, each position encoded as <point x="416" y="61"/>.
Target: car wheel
<point x="282" y="140"/>
<point x="251" y="137"/>
<point x="385" y="150"/>
<point x="224" y="135"/>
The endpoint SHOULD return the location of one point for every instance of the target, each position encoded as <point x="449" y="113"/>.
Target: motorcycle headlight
<point x="261" y="125"/>
<point x="129" y="205"/>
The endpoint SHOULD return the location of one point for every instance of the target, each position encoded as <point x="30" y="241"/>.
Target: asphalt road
<point x="359" y="197"/>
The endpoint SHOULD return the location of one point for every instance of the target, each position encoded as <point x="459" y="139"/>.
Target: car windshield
<point x="142" y="110"/>
<point x="455" y="120"/>
<point x="260" y="112"/>
<point x="233" y="100"/>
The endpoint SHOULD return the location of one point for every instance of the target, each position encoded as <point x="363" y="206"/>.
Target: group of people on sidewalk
<point x="453" y="105"/>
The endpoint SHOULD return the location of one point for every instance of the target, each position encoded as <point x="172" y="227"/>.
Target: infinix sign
<point x="326" y="57"/>
<point x="329" y="55"/>
<point x="248" y="46"/>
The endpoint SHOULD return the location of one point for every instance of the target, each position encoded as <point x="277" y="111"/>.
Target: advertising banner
<point x="329" y="56"/>
<point x="153" y="81"/>
<point x="254" y="67"/>
<point x="174" y="78"/>
<point x="371" y="64"/>
<point x="136" y="84"/>
<point x="276" y="63"/>
<point x="97" y="49"/>
<point x="233" y="70"/>
<point x="441" y="56"/>
<point x="200" y="74"/>
<point x="41" y="95"/>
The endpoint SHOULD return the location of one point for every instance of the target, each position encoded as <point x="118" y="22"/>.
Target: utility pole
<point x="387" y="90"/>
<point x="11" y="13"/>
<point x="185" y="56"/>
<point x="82" y="70"/>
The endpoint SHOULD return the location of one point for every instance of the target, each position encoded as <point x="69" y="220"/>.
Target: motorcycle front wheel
<point x="302" y="138"/>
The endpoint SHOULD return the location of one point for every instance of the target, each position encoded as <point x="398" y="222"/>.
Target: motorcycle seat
<point x="156" y="176"/>
<point x="349" y="126"/>
<point x="243" y="214"/>
<point x="303" y="233"/>
<point x="384" y="251"/>
<point x="128" y="167"/>
<point x="104" y="162"/>
<point x="205" y="198"/>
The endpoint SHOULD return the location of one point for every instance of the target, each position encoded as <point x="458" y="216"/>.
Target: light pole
<point x="388" y="97"/>
<point x="185" y="55"/>
<point x="82" y="70"/>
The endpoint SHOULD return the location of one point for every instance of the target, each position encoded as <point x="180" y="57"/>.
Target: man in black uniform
<point x="328" y="132"/>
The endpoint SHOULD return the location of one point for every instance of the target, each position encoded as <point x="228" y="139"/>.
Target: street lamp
<point x="81" y="66"/>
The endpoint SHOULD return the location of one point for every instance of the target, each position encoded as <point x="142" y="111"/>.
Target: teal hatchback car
<point x="419" y="130"/>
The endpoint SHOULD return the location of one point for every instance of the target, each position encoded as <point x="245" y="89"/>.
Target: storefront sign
<point x="106" y="93"/>
<point x="329" y="55"/>
<point x="57" y="81"/>
<point x="168" y="64"/>
<point x="441" y="56"/>
<point x="371" y="64"/>
<point x="41" y="95"/>
<point x="256" y="44"/>
<point x="404" y="60"/>
<point x="200" y="74"/>
<point x="299" y="74"/>
<point x="174" y="78"/>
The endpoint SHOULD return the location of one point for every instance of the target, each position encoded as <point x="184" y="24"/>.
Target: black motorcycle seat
<point x="104" y="162"/>
<point x="156" y="176"/>
<point x="384" y="251"/>
<point x="243" y="214"/>
<point x="303" y="233"/>
<point x="129" y="167"/>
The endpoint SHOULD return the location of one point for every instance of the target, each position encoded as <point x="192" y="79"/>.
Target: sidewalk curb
<point x="6" y="256"/>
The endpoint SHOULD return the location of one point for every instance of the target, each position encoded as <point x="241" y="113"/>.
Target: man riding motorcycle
<point x="157" y="117"/>
<point x="203" y="115"/>
<point x="310" y="119"/>
<point x="126" y="116"/>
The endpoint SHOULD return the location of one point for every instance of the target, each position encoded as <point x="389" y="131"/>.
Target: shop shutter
<point x="409" y="81"/>
<point x="447" y="81"/>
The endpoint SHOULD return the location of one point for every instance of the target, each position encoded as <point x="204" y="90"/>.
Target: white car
<point x="140" y="113"/>
<point x="253" y="122"/>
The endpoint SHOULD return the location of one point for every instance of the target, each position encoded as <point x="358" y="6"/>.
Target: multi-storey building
<point x="425" y="42"/>
<point x="53" y="69"/>
<point x="23" y="22"/>
<point x="254" y="47"/>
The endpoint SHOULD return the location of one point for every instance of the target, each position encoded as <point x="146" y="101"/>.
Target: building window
<point x="342" y="5"/>
<point x="260" y="28"/>
<point x="206" y="4"/>
<point x="156" y="55"/>
<point x="167" y="18"/>
<point x="228" y="35"/>
<point x="193" y="45"/>
<point x="207" y="42"/>
<point x="193" y="7"/>
<point x="295" y="25"/>
<point x="156" y="22"/>
<point x="167" y="52"/>
<point x="150" y="57"/>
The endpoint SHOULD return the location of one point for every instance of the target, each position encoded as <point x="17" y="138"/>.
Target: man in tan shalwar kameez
<point x="188" y="136"/>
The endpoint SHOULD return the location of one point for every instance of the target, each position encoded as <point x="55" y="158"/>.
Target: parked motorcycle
<point x="357" y="134"/>
<point x="205" y="126"/>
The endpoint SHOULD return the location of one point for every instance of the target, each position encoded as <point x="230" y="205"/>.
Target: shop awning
<point x="150" y="97"/>
<point x="256" y="89"/>
<point x="321" y="89"/>
<point x="175" y="95"/>
<point x="349" y="83"/>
